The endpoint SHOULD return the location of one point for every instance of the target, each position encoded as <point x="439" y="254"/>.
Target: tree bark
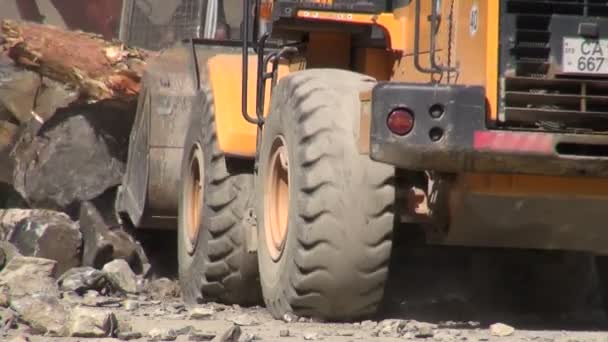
<point x="96" y="68"/>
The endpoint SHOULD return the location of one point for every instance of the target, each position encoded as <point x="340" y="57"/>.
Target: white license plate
<point x="585" y="56"/>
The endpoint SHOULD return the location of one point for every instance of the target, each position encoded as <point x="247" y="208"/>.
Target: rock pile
<point x="79" y="303"/>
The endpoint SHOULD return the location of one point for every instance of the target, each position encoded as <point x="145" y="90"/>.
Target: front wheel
<point x="324" y="211"/>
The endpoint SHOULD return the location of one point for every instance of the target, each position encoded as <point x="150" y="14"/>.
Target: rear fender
<point x="171" y="87"/>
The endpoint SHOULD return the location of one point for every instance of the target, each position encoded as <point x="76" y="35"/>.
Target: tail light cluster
<point x="400" y="121"/>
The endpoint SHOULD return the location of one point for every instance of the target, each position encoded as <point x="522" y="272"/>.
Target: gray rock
<point x="87" y="322"/>
<point x="130" y="305"/>
<point x="284" y="333"/>
<point x="75" y="156"/>
<point x="311" y="336"/>
<point x="501" y="330"/>
<point x="201" y="313"/>
<point x="83" y="279"/>
<point x="18" y="88"/>
<point x="390" y="328"/>
<point x="9" y="218"/>
<point x="121" y="275"/>
<point x="104" y="238"/>
<point x="200" y="336"/>
<point x="247" y="337"/>
<point x="158" y="334"/>
<point x="4" y="296"/>
<point x="43" y="313"/>
<point x="424" y="331"/>
<point x="50" y="235"/>
<point x="9" y="252"/>
<point x="290" y="318"/>
<point x="162" y="288"/>
<point x="25" y="276"/>
<point x="231" y="335"/>
<point x="244" y="320"/>
<point x="129" y="335"/>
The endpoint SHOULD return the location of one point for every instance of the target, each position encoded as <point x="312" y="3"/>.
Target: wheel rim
<point x="194" y="197"/>
<point x="277" y="199"/>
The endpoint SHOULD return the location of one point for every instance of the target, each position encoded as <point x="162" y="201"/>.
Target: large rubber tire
<point x="334" y="262"/>
<point x="220" y="268"/>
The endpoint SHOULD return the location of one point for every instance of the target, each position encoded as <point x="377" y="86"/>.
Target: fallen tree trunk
<point x="96" y="68"/>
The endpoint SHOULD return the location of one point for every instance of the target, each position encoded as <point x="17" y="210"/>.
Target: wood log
<point x="96" y="68"/>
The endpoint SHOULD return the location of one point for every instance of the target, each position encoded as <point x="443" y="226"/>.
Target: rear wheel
<point x="215" y="195"/>
<point x="324" y="211"/>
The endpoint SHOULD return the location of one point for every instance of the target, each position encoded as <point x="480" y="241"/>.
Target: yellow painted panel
<point x="235" y="135"/>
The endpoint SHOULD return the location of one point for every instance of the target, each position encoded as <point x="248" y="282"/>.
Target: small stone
<point x="199" y="336"/>
<point x="284" y="333"/>
<point x="4" y="296"/>
<point x="162" y="288"/>
<point x="83" y="279"/>
<point x="231" y="335"/>
<point x="129" y="335"/>
<point x="501" y="330"/>
<point x="247" y="337"/>
<point x="424" y="331"/>
<point x="311" y="336"/>
<point x="184" y="330"/>
<point x="444" y="337"/>
<point x="345" y="333"/>
<point x="157" y="334"/>
<point x="201" y="313"/>
<point x="130" y="305"/>
<point x="290" y="317"/>
<point x="244" y="320"/>
<point x="43" y="313"/>
<point x="121" y="275"/>
<point x="102" y="301"/>
<point x="368" y="324"/>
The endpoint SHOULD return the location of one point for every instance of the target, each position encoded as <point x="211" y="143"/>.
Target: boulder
<point x="42" y="312"/>
<point x="25" y="276"/>
<point x="75" y="156"/>
<point x="121" y="275"/>
<point x="50" y="235"/>
<point x="88" y="322"/>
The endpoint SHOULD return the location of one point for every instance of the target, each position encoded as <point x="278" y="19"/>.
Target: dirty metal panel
<point x="549" y="222"/>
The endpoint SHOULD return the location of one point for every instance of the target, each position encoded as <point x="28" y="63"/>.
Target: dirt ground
<point x="436" y="303"/>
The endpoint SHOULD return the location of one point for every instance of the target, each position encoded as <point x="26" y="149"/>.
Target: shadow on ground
<point x="532" y="290"/>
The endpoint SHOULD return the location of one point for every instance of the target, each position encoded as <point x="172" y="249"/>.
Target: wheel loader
<point x="288" y="140"/>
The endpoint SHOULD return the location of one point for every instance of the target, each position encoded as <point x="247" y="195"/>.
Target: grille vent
<point x="534" y="98"/>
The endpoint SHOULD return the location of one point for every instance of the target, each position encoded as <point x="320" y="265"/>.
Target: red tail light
<point x="400" y="121"/>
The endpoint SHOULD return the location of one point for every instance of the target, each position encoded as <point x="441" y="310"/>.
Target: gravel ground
<point x="442" y="310"/>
